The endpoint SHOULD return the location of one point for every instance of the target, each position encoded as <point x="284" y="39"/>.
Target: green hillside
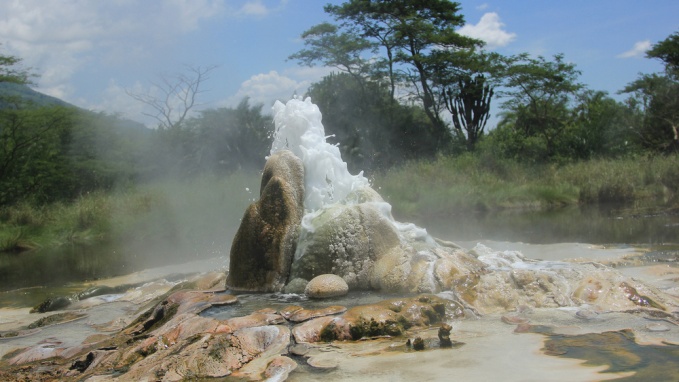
<point x="26" y="94"/>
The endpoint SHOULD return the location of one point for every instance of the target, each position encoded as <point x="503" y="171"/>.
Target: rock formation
<point x="347" y="240"/>
<point x="324" y="286"/>
<point x="264" y="245"/>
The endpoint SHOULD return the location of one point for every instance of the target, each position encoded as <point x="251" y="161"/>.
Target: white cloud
<point x="482" y="7"/>
<point x="57" y="38"/>
<point x="254" y="8"/>
<point x="489" y="29"/>
<point x="266" y="88"/>
<point x="115" y="98"/>
<point x="638" y="50"/>
<point x="191" y="12"/>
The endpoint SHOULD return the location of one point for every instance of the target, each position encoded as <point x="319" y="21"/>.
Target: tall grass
<point x="189" y="213"/>
<point x="476" y="183"/>
<point x="202" y="214"/>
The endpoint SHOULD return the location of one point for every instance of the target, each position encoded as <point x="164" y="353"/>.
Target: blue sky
<point x="89" y="52"/>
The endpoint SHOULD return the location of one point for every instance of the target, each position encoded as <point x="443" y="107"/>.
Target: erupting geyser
<point x="315" y="218"/>
<point x="326" y="177"/>
<point x="346" y="228"/>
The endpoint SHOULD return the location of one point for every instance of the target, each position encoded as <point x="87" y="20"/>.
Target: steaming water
<point x="326" y="176"/>
<point x="299" y="129"/>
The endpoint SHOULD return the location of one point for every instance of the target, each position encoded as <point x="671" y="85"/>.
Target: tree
<point x="177" y="96"/>
<point x="412" y="34"/>
<point x="31" y="139"/>
<point x="657" y="95"/>
<point x="658" y="98"/>
<point x="33" y="164"/>
<point x="343" y="51"/>
<point x="540" y="93"/>
<point x="470" y="108"/>
<point x="355" y="17"/>
<point x="417" y="30"/>
<point x="600" y="128"/>
<point x="667" y="51"/>
<point x="12" y="72"/>
<point x="229" y="139"/>
<point x="171" y="101"/>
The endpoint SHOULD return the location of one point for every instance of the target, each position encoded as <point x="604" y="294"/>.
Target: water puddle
<point x="618" y="352"/>
<point x="252" y="302"/>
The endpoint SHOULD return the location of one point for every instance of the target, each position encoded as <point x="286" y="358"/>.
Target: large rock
<point x="421" y="268"/>
<point x="265" y="243"/>
<point x="325" y="286"/>
<point x="346" y="240"/>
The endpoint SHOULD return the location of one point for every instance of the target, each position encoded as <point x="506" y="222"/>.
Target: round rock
<point x="327" y="285"/>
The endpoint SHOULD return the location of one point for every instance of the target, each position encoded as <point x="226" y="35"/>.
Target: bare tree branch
<point x="177" y="96"/>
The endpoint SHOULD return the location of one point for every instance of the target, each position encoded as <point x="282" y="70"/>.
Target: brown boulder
<point x="328" y="285"/>
<point x="263" y="248"/>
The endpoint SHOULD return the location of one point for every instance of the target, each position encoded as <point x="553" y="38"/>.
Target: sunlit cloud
<point x="638" y="50"/>
<point x="57" y="38"/>
<point x="266" y="88"/>
<point x="489" y="29"/>
<point x="254" y="8"/>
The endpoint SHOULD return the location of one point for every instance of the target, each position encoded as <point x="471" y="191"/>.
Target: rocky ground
<point x="158" y="330"/>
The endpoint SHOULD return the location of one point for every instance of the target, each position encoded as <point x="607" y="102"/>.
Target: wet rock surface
<point x="346" y="241"/>
<point x="171" y="341"/>
<point x="264" y="245"/>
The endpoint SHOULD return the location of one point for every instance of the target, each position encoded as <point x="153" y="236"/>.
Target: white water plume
<point x="299" y="129"/>
<point x="326" y="177"/>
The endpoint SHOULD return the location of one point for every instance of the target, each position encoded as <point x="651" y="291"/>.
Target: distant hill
<point x="38" y="99"/>
<point x="8" y="89"/>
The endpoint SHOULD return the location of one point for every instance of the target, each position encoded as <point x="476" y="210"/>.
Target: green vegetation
<point x="200" y="214"/>
<point x="475" y="183"/>
<point x="410" y="107"/>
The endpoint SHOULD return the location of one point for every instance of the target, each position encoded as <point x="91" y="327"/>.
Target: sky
<point x="93" y="53"/>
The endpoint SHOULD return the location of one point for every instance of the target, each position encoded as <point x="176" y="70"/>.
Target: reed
<point x="478" y="182"/>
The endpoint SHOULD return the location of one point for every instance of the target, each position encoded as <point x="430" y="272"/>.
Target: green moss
<point x="328" y="333"/>
<point x="364" y="328"/>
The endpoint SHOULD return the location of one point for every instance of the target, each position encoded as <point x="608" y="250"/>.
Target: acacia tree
<point x="412" y="34"/>
<point x="658" y="97"/>
<point x="361" y="18"/>
<point x="667" y="51"/>
<point x="326" y="44"/>
<point x="539" y="93"/>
